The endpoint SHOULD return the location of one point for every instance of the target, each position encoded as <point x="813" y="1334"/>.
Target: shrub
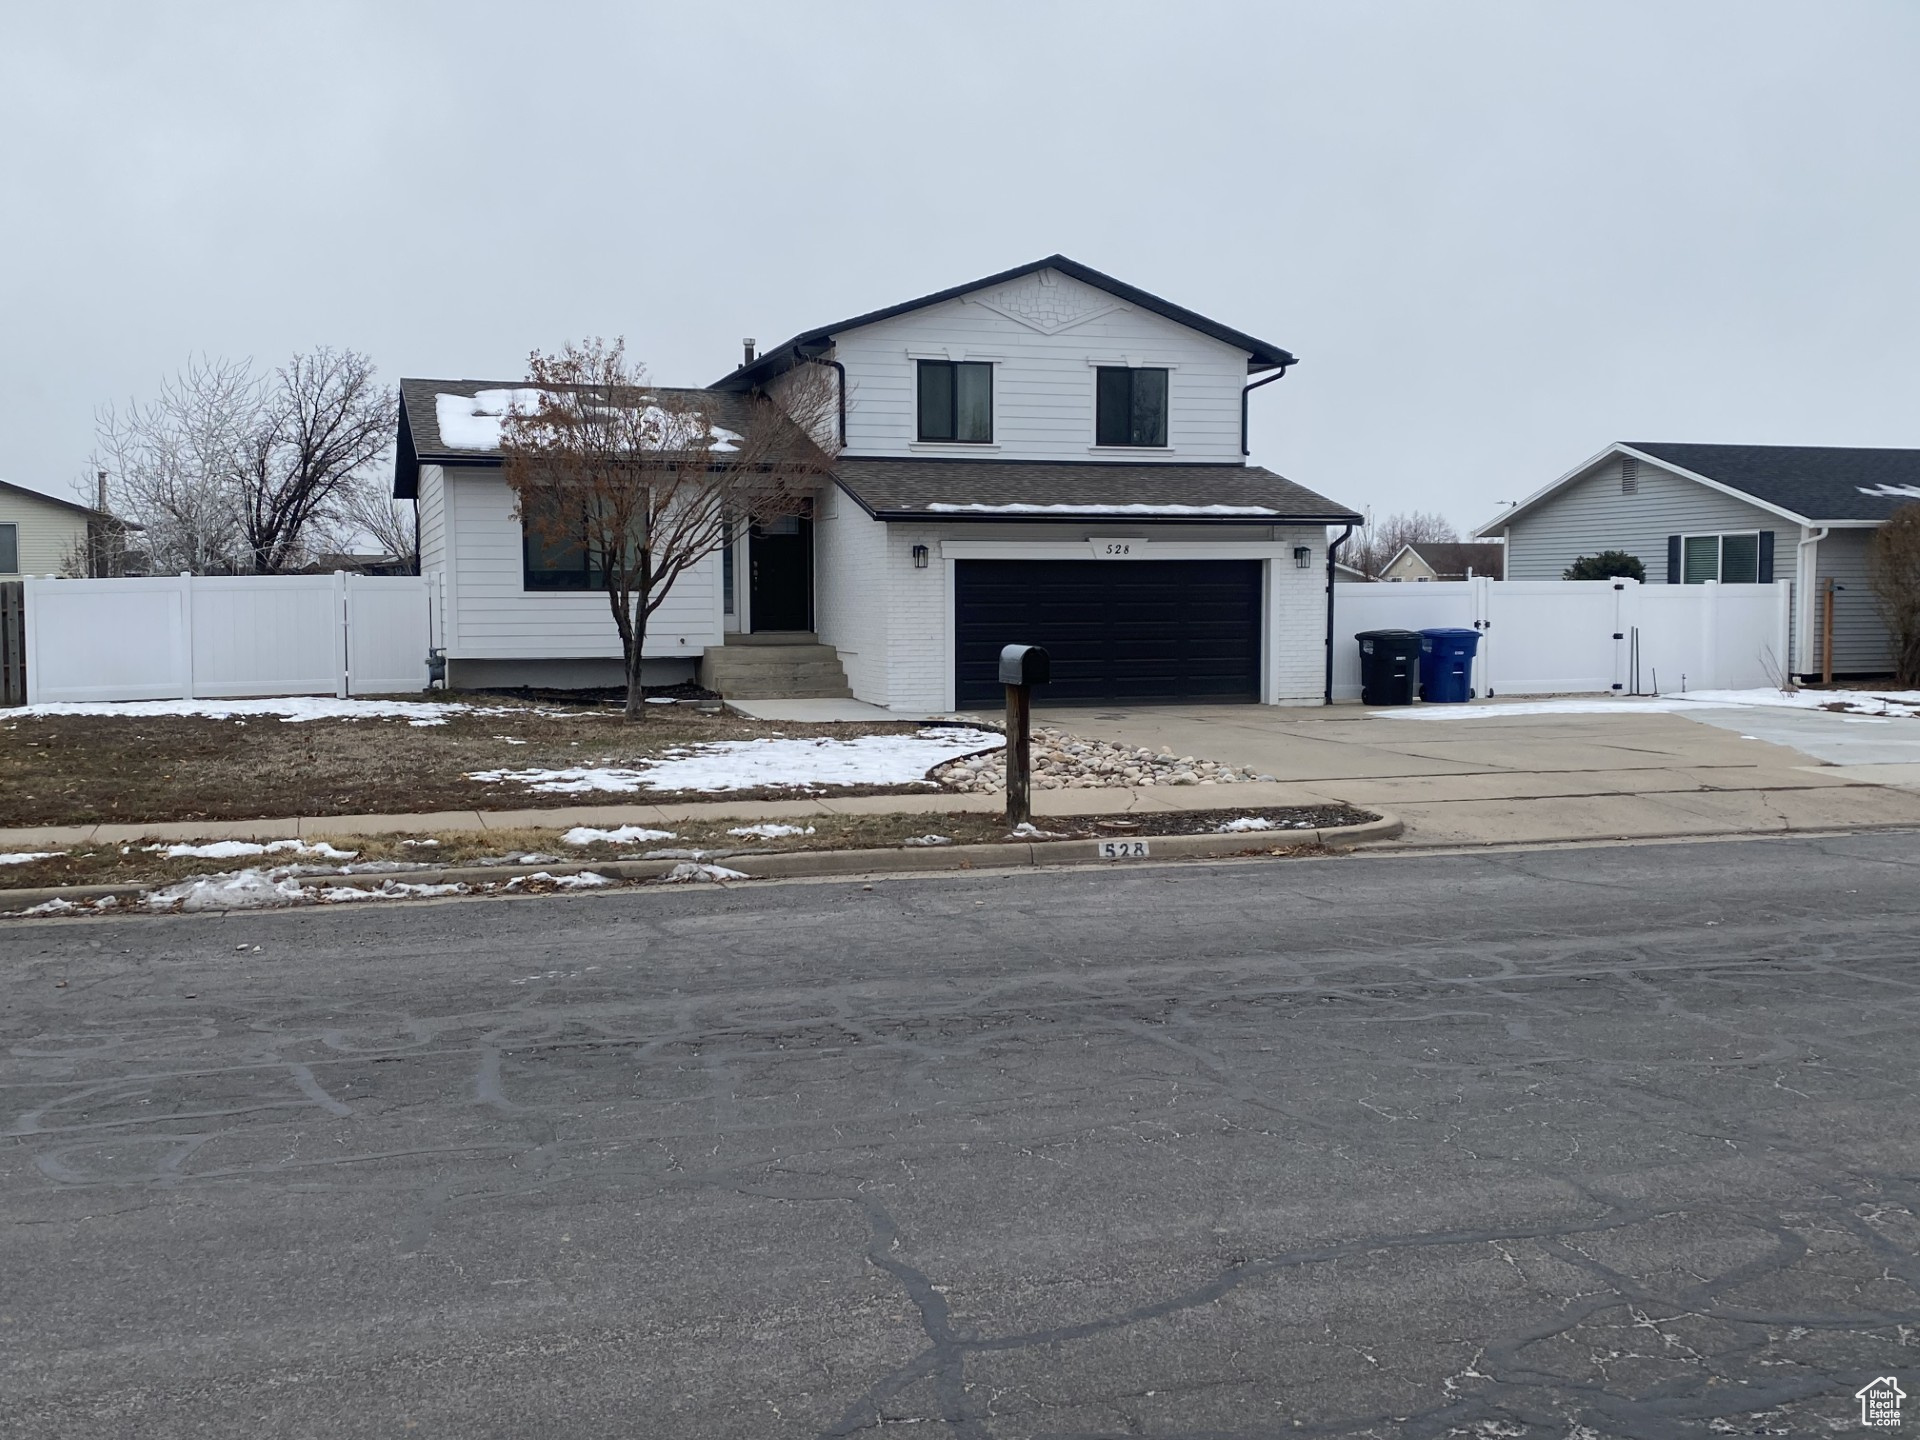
<point x="1893" y="567"/>
<point x="1607" y="565"/>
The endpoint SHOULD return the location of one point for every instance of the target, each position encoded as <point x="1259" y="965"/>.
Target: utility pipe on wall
<point x="1333" y="554"/>
<point x="1803" y="589"/>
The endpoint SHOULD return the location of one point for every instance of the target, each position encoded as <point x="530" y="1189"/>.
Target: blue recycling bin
<point x="1446" y="665"/>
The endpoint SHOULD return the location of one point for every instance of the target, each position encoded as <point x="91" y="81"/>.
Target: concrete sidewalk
<point x="1541" y="778"/>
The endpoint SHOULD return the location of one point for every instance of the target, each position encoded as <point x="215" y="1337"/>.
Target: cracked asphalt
<point x="1574" y="1143"/>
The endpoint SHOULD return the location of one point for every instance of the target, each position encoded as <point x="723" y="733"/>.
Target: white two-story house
<point x="1046" y="456"/>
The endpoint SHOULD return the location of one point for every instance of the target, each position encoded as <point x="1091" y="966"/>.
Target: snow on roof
<point x="1019" y="509"/>
<point x="473" y="422"/>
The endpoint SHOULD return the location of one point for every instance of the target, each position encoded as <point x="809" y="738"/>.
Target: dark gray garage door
<point x="1120" y="631"/>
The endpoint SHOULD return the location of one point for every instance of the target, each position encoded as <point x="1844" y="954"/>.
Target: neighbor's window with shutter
<point x="1130" y="406"/>
<point x="9" y="549"/>
<point x="1730" y="559"/>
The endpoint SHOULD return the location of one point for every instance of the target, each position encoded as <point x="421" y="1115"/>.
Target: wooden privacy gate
<point x="13" y="643"/>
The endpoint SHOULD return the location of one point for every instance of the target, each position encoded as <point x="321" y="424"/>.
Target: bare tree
<point x="226" y="471"/>
<point x="1893" y="569"/>
<point x="324" y="420"/>
<point x="642" y="484"/>
<point x="365" y="510"/>
<point x="174" y="464"/>
<point x="1376" y="543"/>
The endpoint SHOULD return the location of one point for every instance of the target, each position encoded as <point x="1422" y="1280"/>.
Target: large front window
<point x="1730" y="559"/>
<point x="956" y="401"/>
<point x="1130" y="406"/>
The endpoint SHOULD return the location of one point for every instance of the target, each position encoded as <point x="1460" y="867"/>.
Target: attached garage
<point x="1121" y="632"/>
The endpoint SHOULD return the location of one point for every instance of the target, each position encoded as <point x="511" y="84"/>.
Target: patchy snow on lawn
<point x="234" y="849"/>
<point x="770" y="763"/>
<point x="27" y="857"/>
<point x="292" y="709"/>
<point x="625" y="835"/>
<point x="1869" y="702"/>
<point x="769" y="830"/>
<point x="1260" y="822"/>
<point x="928" y="840"/>
<point x="585" y="880"/>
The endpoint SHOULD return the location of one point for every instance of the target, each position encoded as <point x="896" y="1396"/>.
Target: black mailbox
<point x="1025" y="665"/>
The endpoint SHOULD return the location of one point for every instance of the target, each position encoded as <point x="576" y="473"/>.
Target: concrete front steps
<point x="783" y="665"/>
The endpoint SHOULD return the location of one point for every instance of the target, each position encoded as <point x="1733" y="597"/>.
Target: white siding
<point x="47" y="533"/>
<point x="1043" y="391"/>
<point x="433" y="512"/>
<point x="493" y="616"/>
<point x="1861" y="644"/>
<point x="1594" y="514"/>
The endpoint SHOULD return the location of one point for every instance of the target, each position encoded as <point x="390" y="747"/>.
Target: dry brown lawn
<point x="70" y="770"/>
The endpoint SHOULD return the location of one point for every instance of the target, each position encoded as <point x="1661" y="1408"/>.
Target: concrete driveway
<point x="1495" y="779"/>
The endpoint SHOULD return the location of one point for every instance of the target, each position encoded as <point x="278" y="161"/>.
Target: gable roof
<point x="421" y="443"/>
<point x="1078" y="491"/>
<point x="1807" y="484"/>
<point x="1261" y="354"/>
<point x="1456" y="557"/>
<point x="33" y="494"/>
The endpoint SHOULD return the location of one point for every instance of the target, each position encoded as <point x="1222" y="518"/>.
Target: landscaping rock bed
<point x="1063" y="761"/>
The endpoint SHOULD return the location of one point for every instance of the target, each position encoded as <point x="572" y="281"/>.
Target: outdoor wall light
<point x="1302" y="558"/>
<point x="919" y="557"/>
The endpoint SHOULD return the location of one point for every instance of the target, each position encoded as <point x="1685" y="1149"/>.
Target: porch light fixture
<point x="919" y="557"/>
<point x="1302" y="558"/>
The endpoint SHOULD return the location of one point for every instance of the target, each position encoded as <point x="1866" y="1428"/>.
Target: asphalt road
<point x="1588" y="1143"/>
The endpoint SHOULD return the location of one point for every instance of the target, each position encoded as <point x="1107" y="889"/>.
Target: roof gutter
<point x="1333" y="552"/>
<point x="1252" y="385"/>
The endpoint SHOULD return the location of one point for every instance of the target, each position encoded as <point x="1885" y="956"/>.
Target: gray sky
<point x="1498" y="235"/>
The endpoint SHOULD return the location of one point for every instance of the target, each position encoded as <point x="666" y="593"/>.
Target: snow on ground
<point x="770" y="830"/>
<point x="625" y="835"/>
<point x="234" y="849"/>
<point x="240" y="890"/>
<point x="1260" y="822"/>
<point x="928" y="840"/>
<point x="28" y="857"/>
<point x="291" y="709"/>
<point x="687" y="872"/>
<point x="753" y="764"/>
<point x="585" y="880"/>
<point x="1871" y="702"/>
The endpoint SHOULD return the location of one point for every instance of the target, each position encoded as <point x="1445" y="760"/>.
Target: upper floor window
<point x="956" y="401"/>
<point x="1730" y="559"/>
<point x="1130" y="406"/>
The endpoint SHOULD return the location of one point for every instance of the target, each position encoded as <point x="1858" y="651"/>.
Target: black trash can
<point x="1446" y="665"/>
<point x="1389" y="664"/>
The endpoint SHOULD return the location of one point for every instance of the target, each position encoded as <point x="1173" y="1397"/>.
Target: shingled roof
<point x="421" y="443"/>
<point x="1814" y="482"/>
<point x="1022" y="490"/>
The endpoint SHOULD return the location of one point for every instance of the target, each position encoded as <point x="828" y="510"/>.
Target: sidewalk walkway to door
<point x="1628" y="774"/>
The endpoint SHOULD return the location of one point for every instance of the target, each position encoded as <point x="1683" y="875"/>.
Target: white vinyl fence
<point x="1548" y="637"/>
<point x="220" y="637"/>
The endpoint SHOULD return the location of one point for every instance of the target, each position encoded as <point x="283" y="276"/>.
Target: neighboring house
<point x="1446" y="560"/>
<point x="1738" y="514"/>
<point x="1347" y="574"/>
<point x="39" y="534"/>
<point x="1047" y="455"/>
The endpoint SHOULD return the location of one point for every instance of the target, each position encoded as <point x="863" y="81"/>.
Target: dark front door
<point x="780" y="558"/>
<point x="1118" y="631"/>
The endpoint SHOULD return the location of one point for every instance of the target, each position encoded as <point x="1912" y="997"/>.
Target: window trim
<point x="1166" y="419"/>
<point x="920" y="437"/>
<point x="593" y="580"/>
<point x="1719" y="537"/>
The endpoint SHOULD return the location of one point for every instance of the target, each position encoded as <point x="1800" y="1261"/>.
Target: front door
<point x="780" y="563"/>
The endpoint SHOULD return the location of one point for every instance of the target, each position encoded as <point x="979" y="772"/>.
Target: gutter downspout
<point x="818" y="357"/>
<point x="1803" y="592"/>
<point x="1333" y="552"/>
<point x="1251" y="385"/>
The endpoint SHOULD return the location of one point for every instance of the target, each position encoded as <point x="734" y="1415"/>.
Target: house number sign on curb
<point x="1123" y="849"/>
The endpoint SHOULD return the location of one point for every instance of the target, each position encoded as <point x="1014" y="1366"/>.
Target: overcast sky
<point x="1498" y="235"/>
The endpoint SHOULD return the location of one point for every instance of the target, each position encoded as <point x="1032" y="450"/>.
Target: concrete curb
<point x="798" y="864"/>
